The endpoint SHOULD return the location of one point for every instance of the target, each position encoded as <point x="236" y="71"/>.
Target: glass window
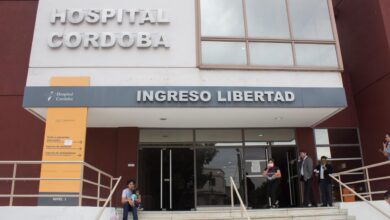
<point x="267" y="18"/>
<point x="339" y="152"/>
<point x="269" y="135"/>
<point x="267" y="28"/>
<point x="345" y="152"/>
<point x="310" y="19"/>
<point x="323" y="151"/>
<point x="258" y="153"/>
<point x="219" y="135"/>
<point x="223" y="18"/>
<point x="276" y="143"/>
<point x="165" y="135"/>
<point x="223" y="53"/>
<point x="340" y="145"/>
<point x="321" y="136"/>
<point x="277" y="54"/>
<point x="214" y="167"/>
<point x="343" y="136"/>
<point x="342" y="165"/>
<point x="316" y="55"/>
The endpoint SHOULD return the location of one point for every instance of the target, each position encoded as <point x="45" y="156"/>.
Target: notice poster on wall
<point x="64" y="141"/>
<point x="255" y="168"/>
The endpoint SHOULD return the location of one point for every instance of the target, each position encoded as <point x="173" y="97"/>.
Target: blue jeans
<point x="127" y="208"/>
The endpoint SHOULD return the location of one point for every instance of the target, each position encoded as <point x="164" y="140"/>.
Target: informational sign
<point x="255" y="167"/>
<point x="181" y="96"/>
<point x="64" y="141"/>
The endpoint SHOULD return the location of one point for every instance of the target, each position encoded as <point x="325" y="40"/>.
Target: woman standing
<point x="273" y="175"/>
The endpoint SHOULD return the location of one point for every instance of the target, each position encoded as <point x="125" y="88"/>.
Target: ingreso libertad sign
<point x="207" y="97"/>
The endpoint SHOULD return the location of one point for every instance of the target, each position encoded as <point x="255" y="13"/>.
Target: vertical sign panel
<point x="64" y="141"/>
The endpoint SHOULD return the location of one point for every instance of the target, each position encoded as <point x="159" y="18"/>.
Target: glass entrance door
<point x="181" y="192"/>
<point x="214" y="167"/>
<point x="293" y="177"/>
<point x="167" y="178"/>
<point x="170" y="179"/>
<point x="255" y="162"/>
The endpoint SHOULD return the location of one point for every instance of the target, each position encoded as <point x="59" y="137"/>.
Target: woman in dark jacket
<point x="273" y="175"/>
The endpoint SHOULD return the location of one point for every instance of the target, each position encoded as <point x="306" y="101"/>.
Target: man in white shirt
<point x="305" y="165"/>
<point x="128" y="203"/>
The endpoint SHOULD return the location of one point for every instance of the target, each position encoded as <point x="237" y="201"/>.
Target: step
<point x="227" y="213"/>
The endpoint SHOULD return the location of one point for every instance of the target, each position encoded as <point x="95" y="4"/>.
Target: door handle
<point x="167" y="180"/>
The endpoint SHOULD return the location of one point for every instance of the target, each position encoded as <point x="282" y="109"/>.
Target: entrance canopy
<point x="203" y="117"/>
<point x="191" y="106"/>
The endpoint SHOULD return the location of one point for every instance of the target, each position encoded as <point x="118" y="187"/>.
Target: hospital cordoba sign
<point x="128" y="18"/>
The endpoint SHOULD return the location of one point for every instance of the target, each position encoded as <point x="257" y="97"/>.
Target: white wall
<point x="54" y="213"/>
<point x="188" y="77"/>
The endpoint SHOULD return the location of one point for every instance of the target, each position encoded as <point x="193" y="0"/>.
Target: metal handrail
<point x="243" y="208"/>
<point x="367" y="180"/>
<point x="361" y="197"/>
<point x="366" y="167"/>
<point x="82" y="180"/>
<point x="108" y="198"/>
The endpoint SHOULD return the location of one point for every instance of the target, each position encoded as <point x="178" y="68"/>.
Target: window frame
<point x="357" y="145"/>
<point x="246" y="39"/>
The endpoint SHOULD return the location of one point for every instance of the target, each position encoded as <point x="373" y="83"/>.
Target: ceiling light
<point x="278" y="118"/>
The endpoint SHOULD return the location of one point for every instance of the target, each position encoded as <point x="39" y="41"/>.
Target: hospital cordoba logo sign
<point x="60" y="96"/>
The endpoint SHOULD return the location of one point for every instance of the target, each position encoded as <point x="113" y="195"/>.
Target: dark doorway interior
<point x="289" y="188"/>
<point x="167" y="178"/>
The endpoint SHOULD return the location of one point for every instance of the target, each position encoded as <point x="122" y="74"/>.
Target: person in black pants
<point x="273" y="175"/>
<point x="322" y="171"/>
<point x="305" y="165"/>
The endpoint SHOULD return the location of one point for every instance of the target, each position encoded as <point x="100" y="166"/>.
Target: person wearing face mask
<point x="273" y="175"/>
<point x="386" y="146"/>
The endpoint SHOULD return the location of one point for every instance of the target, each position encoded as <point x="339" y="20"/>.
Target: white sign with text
<point x="116" y="33"/>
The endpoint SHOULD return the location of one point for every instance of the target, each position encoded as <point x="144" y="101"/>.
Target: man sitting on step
<point x="128" y="203"/>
